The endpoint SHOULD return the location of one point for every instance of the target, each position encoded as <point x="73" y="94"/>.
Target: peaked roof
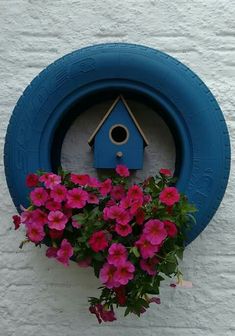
<point x="91" y="139"/>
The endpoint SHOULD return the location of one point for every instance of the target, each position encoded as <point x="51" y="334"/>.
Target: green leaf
<point x="135" y="251"/>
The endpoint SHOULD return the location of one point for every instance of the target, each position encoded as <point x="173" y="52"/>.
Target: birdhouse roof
<point x="92" y="138"/>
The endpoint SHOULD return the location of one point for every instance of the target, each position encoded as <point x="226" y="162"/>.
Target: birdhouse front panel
<point x="118" y="140"/>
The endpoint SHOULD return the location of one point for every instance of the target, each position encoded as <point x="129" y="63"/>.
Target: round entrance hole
<point x="119" y="134"/>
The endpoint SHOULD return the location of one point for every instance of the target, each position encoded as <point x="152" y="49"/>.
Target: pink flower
<point x="108" y="276"/>
<point x="93" y="182"/>
<point x="58" y="193"/>
<point x="65" y="252"/>
<point x="98" y="241"/>
<point x="85" y="262"/>
<point x="135" y="206"/>
<point x="51" y="252"/>
<point x="117" y="192"/>
<point x="147" y="199"/>
<point x="110" y="203"/>
<point x="106" y="214"/>
<point x="126" y="203"/>
<point x="77" y="198"/>
<point x="39" y="217"/>
<point x="125" y="272"/>
<point x="52" y="205"/>
<point x="122" y="171"/>
<point x="82" y="180"/>
<point x="165" y="172"/>
<point x="92" y="199"/>
<point x="123" y="230"/>
<point x="135" y="193"/>
<point x="16" y="221"/>
<point x="117" y="254"/>
<point x="114" y="212"/>
<point x="149" y="265"/>
<point x="50" y="180"/>
<point x="75" y="224"/>
<point x="155" y="300"/>
<point x="39" y="196"/>
<point x="147" y="250"/>
<point x="35" y="233"/>
<point x="57" y="220"/>
<point x="27" y="217"/>
<point x="102" y="314"/>
<point x="32" y="180"/>
<point x="169" y="196"/>
<point x="105" y="187"/>
<point x="124" y="218"/>
<point x="171" y="228"/>
<point x="154" y="231"/>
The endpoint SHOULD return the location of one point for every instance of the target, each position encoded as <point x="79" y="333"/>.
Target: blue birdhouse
<point x="118" y="139"/>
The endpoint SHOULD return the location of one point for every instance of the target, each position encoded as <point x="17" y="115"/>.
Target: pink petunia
<point x="27" y="217"/>
<point x="39" y="196"/>
<point x="123" y="230"/>
<point x="165" y="172"/>
<point x="35" y="233"/>
<point x="124" y="218"/>
<point x="75" y="224"/>
<point x="51" y="252"/>
<point x="114" y="212"/>
<point x="39" y="217"/>
<point x="147" y="250"/>
<point x="117" y="254"/>
<point x="135" y="206"/>
<point x="17" y="221"/>
<point x="82" y="180"/>
<point x="105" y="187"/>
<point x="32" y="180"/>
<point x="57" y="220"/>
<point x="92" y="199"/>
<point x="108" y="276"/>
<point x="93" y="182"/>
<point x="147" y="199"/>
<point x="169" y="196"/>
<point x="52" y="205"/>
<point x="77" y="198"/>
<point x="65" y="252"/>
<point x="117" y="192"/>
<point x="135" y="193"/>
<point x="171" y="228"/>
<point x="149" y="265"/>
<point x="154" y="231"/>
<point x="58" y="193"/>
<point x="122" y="171"/>
<point x="50" y="180"/>
<point x="106" y="214"/>
<point x="125" y="273"/>
<point x="98" y="241"/>
<point x="126" y="203"/>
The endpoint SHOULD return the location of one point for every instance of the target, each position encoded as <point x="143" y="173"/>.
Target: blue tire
<point x="44" y="113"/>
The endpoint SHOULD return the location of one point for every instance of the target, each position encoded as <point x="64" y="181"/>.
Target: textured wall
<point x="40" y="296"/>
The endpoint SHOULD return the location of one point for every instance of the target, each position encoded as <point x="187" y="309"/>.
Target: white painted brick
<point x="39" y="295"/>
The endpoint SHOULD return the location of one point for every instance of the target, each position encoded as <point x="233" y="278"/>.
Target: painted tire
<point x="44" y="113"/>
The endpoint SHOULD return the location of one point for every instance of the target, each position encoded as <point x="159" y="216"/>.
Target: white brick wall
<point x="40" y="296"/>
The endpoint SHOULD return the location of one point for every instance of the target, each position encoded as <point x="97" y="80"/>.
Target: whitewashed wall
<point x="39" y="296"/>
